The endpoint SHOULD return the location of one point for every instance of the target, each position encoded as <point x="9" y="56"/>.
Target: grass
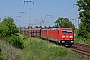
<point x="37" y="49"/>
<point x="9" y="52"/>
<point x="82" y="40"/>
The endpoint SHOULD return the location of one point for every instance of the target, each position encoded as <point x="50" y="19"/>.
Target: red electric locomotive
<point x="64" y="36"/>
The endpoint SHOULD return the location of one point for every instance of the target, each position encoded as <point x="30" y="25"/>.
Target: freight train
<point x="63" y="36"/>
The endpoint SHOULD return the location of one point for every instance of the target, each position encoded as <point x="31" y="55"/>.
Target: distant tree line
<point x="60" y="22"/>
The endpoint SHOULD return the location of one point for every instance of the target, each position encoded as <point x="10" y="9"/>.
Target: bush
<point x="16" y="41"/>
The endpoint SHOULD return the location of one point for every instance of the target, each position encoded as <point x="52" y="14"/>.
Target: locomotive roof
<point x="55" y="28"/>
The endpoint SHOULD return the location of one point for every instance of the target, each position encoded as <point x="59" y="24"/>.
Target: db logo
<point x="66" y="36"/>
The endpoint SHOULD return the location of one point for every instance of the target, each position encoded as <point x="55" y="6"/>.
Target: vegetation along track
<point x="82" y="50"/>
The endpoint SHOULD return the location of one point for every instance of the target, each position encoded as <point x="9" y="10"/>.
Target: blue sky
<point x="46" y="10"/>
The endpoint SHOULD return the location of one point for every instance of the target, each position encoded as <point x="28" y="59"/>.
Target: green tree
<point x="9" y="31"/>
<point x="64" y="22"/>
<point x="36" y="26"/>
<point x="49" y="26"/>
<point x="30" y="27"/>
<point x="7" y="27"/>
<point x="45" y="26"/>
<point x="40" y="27"/>
<point x="84" y="16"/>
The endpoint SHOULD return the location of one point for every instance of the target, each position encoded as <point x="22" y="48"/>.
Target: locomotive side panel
<point x="53" y="35"/>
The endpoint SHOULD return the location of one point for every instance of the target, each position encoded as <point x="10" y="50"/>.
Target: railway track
<point x="82" y="50"/>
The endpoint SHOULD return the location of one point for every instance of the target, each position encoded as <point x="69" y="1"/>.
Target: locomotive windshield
<point x="66" y="31"/>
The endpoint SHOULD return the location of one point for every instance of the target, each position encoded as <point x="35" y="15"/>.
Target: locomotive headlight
<point x="71" y="36"/>
<point x="63" y="36"/>
<point x="72" y="41"/>
<point x="63" y="41"/>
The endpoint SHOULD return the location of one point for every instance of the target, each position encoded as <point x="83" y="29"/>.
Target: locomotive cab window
<point x="66" y="31"/>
